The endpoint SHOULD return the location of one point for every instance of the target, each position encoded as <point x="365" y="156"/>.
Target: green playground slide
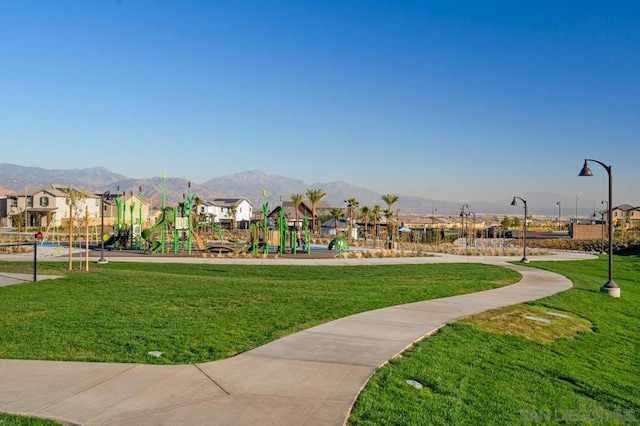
<point x="167" y="216"/>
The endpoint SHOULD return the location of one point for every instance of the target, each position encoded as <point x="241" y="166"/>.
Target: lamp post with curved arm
<point x="462" y="216"/>
<point x="602" y="224"/>
<point x="610" y="287"/>
<point x="577" y="198"/>
<point x="104" y="195"/>
<point x="26" y="208"/>
<point x="524" y="236"/>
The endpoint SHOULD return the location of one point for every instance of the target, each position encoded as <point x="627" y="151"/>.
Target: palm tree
<point x="297" y="199"/>
<point x="336" y="215"/>
<point x="352" y="203"/>
<point x="375" y="217"/>
<point x="365" y="215"/>
<point x="197" y="201"/>
<point x="388" y="214"/>
<point x="315" y="196"/>
<point x="233" y="209"/>
<point x="390" y="199"/>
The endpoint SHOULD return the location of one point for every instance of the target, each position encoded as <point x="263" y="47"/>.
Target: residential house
<point x="323" y="209"/>
<point x="126" y="209"/>
<point x="221" y="211"/>
<point x="626" y="215"/>
<point x="294" y="220"/>
<point x="341" y="226"/>
<point x="48" y="206"/>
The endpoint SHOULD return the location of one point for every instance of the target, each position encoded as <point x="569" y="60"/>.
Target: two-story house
<point x="626" y="215"/>
<point x="49" y="206"/>
<point x="231" y="212"/>
<point x="126" y="209"/>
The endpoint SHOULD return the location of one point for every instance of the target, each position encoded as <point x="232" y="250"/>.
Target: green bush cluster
<point x="591" y="245"/>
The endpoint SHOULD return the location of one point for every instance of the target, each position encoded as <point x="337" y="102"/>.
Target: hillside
<point x="252" y="184"/>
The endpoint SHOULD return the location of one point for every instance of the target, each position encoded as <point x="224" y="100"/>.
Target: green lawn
<point x="119" y="312"/>
<point x="472" y="377"/>
<point x="11" y="420"/>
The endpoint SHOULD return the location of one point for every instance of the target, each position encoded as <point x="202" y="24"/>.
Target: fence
<point x="27" y="251"/>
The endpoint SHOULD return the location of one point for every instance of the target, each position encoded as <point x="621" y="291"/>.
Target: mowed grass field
<point x="500" y="368"/>
<point x="119" y="312"/>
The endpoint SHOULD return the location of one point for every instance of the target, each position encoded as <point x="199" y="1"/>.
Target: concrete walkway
<point x="308" y="378"/>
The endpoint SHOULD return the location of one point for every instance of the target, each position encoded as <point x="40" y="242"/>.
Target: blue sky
<point x="449" y="100"/>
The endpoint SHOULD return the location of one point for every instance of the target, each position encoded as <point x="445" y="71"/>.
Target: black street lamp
<point x="577" y="198"/>
<point x="610" y="287"/>
<point x="559" y="213"/>
<point x="524" y="236"/>
<point x="602" y="225"/>
<point x="104" y="195"/>
<point x="462" y="215"/>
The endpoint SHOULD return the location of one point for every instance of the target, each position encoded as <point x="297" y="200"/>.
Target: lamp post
<point x="610" y="287"/>
<point x="524" y="236"/>
<point x="104" y="195"/>
<point x="433" y="216"/>
<point x="559" y="213"/>
<point x="435" y="233"/>
<point x="26" y="206"/>
<point x="577" y="197"/>
<point x="602" y="224"/>
<point x="462" y="215"/>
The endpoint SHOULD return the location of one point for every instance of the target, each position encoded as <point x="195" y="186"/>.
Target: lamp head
<point x="586" y="171"/>
<point x="514" y="202"/>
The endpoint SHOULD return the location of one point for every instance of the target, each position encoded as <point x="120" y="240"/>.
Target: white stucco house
<point x="233" y="212"/>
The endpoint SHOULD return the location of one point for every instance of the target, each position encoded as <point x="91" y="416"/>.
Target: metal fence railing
<point x="27" y="252"/>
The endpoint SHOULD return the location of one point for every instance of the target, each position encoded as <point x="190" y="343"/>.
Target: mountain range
<point x="252" y="184"/>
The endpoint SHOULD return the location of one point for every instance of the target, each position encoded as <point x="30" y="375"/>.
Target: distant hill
<point x="251" y="184"/>
<point x="17" y="177"/>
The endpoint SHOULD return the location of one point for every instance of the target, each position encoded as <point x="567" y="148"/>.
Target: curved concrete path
<point x="308" y="378"/>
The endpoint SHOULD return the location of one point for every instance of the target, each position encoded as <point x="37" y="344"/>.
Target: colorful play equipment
<point x="278" y="237"/>
<point x="341" y="244"/>
<point x="177" y="230"/>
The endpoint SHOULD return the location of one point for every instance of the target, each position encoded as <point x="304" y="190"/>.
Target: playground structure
<point x="175" y="231"/>
<point x="179" y="230"/>
<point x="341" y="244"/>
<point x="279" y="238"/>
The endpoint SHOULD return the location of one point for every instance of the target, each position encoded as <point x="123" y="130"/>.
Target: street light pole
<point x="602" y="225"/>
<point x="559" y="213"/>
<point x="610" y="287"/>
<point x="577" y="197"/>
<point x="435" y="233"/>
<point x="26" y="206"/>
<point x="524" y="237"/>
<point x="102" y="259"/>
<point x="462" y="215"/>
